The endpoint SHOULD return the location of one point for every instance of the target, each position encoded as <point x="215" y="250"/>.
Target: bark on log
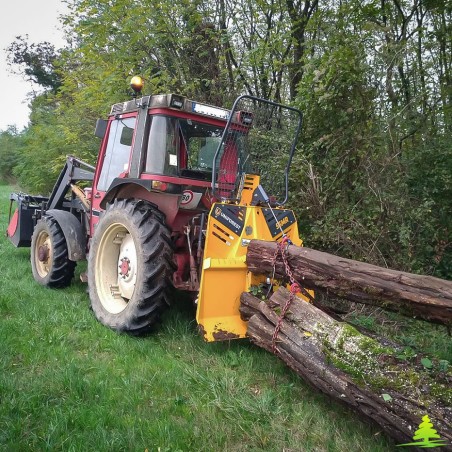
<point x="352" y="368"/>
<point x="419" y="296"/>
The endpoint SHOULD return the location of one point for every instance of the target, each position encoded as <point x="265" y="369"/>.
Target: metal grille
<point x="259" y="138"/>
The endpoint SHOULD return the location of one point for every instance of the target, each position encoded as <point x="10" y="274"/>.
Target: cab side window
<point x="163" y="146"/>
<point x="117" y="153"/>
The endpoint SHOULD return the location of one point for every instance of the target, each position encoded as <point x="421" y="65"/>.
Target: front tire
<point x="50" y="263"/>
<point x="130" y="266"/>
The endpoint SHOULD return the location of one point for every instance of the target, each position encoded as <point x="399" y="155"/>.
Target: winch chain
<point x="294" y="286"/>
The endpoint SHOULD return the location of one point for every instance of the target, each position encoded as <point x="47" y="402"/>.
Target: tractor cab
<point x="163" y="148"/>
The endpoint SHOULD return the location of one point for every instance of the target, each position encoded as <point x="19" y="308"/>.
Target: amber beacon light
<point x="137" y="83"/>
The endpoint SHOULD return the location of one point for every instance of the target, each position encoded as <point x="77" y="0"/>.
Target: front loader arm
<point x="74" y="170"/>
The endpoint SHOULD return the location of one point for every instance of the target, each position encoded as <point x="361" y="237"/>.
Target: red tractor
<point x="172" y="202"/>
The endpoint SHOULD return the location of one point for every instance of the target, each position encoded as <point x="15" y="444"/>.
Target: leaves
<point x="372" y="175"/>
<point x="36" y="61"/>
<point x="427" y="363"/>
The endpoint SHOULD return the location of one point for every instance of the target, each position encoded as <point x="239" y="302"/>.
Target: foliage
<point x="35" y="61"/>
<point x="372" y="176"/>
<point x="430" y="182"/>
<point x="364" y="169"/>
<point x="11" y="143"/>
<point x="48" y="140"/>
<point x="347" y="181"/>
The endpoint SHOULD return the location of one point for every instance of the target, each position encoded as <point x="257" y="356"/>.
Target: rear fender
<point x="73" y="233"/>
<point x="167" y="202"/>
<point x="131" y="185"/>
<point x="123" y="185"/>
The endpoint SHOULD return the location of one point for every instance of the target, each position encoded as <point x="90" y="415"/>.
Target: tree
<point x="35" y="61"/>
<point x="373" y="79"/>
<point x="11" y="145"/>
<point x="300" y="13"/>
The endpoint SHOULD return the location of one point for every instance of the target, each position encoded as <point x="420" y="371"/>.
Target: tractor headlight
<point x="176" y="101"/>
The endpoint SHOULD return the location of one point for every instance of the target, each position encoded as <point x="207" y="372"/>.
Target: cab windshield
<point x="183" y="147"/>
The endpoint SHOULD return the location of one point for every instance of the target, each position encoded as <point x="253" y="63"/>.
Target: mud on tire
<point x="130" y="266"/>
<point x="50" y="263"/>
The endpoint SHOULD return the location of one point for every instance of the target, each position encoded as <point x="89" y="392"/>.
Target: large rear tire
<point x="130" y="266"/>
<point x="50" y="263"/>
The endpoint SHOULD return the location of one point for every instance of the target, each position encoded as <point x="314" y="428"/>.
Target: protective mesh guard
<point x="260" y="138"/>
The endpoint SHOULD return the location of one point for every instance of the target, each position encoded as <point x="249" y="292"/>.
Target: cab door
<point x="113" y="160"/>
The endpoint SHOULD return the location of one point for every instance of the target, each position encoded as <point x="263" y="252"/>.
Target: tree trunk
<point x="350" y="367"/>
<point x="420" y="296"/>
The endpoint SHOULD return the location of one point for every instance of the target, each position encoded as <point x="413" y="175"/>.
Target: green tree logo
<point x="426" y="436"/>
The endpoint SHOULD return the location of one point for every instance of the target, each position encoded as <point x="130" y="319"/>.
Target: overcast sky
<point x="38" y="19"/>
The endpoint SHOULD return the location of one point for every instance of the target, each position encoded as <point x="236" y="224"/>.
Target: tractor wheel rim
<point x="116" y="268"/>
<point x="127" y="267"/>
<point x="43" y="254"/>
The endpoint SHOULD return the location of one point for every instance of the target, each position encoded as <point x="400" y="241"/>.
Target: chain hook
<point x="295" y="288"/>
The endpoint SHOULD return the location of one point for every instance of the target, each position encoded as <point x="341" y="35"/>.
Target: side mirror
<point x="101" y="128"/>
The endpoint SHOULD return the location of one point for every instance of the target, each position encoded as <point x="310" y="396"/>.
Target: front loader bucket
<point x="224" y="274"/>
<point x="23" y="220"/>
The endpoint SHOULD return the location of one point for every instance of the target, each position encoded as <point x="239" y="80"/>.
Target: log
<point x="350" y="367"/>
<point x="420" y="296"/>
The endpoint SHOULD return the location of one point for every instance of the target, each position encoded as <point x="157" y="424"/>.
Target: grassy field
<point x="68" y="383"/>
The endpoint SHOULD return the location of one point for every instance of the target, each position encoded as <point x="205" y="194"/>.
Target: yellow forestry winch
<point x="224" y="273"/>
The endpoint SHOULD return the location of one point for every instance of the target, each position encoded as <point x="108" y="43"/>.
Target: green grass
<point x="68" y="383"/>
<point x="418" y="336"/>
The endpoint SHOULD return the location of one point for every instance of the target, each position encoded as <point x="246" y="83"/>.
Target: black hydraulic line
<point x="201" y="225"/>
